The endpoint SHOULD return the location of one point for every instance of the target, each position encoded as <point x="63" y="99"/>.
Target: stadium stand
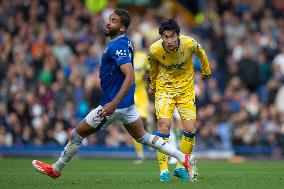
<point x="49" y="61"/>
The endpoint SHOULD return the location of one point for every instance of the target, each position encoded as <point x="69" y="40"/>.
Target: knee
<point x="164" y="126"/>
<point x="189" y="130"/>
<point x="189" y="126"/>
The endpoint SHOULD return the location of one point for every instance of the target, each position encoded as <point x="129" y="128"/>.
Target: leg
<point x="136" y="130"/>
<point x="187" y="111"/>
<point x="186" y="146"/>
<point x="89" y="125"/>
<point x="82" y="130"/>
<point x="164" y="132"/>
<point x="164" y="104"/>
<point x="187" y="143"/>
<point x="134" y="126"/>
<point x="187" y="140"/>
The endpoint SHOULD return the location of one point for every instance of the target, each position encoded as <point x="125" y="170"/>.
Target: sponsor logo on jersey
<point x="122" y="54"/>
<point x="174" y="66"/>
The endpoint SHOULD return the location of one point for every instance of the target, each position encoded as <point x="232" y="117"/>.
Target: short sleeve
<point x="121" y="53"/>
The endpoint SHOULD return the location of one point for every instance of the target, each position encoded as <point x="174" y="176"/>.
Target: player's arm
<point x="153" y="72"/>
<point x="201" y="55"/>
<point x="129" y="80"/>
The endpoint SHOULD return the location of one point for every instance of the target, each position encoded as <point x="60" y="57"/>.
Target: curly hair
<point x="169" y="25"/>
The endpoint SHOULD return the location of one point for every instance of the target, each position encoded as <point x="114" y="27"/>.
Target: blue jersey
<point x="119" y="51"/>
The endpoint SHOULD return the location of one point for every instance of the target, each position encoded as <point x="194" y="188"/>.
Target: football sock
<point x="162" y="157"/>
<point x="162" y="146"/>
<point x="70" y="150"/>
<point x="186" y="144"/>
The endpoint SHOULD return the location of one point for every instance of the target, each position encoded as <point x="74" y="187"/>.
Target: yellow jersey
<point x="140" y="67"/>
<point x="141" y="96"/>
<point x="173" y="72"/>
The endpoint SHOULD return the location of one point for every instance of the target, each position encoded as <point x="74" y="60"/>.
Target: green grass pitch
<point x="112" y="174"/>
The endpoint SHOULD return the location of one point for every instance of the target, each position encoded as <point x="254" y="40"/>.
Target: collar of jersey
<point x="172" y="50"/>
<point x="117" y="37"/>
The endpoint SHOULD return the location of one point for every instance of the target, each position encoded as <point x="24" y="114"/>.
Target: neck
<point x="117" y="35"/>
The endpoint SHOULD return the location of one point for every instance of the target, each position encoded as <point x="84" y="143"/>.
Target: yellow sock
<point x="163" y="158"/>
<point x="138" y="148"/>
<point x="186" y="144"/>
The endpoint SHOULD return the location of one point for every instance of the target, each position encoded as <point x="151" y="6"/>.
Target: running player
<point x="172" y="83"/>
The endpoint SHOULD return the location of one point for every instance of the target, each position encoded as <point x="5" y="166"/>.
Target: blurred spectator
<point x="50" y="53"/>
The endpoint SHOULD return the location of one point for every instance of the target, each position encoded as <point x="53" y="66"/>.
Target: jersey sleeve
<point x="153" y="70"/>
<point x="121" y="54"/>
<point x="201" y="55"/>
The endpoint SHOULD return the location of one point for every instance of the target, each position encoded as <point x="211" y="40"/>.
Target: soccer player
<point x="141" y="98"/>
<point x="172" y="83"/>
<point x="117" y="101"/>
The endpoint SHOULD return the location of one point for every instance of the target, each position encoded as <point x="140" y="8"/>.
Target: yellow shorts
<point x="141" y="102"/>
<point x="165" y="104"/>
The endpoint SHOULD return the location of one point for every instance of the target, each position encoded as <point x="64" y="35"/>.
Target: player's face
<point x="170" y="40"/>
<point x="113" y="26"/>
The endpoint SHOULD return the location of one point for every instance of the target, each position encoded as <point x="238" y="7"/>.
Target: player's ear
<point x="122" y="28"/>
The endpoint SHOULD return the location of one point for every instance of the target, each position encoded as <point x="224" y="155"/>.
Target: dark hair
<point x="169" y="24"/>
<point x="124" y="15"/>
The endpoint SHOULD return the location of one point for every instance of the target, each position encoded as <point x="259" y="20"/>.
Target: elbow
<point x="130" y="78"/>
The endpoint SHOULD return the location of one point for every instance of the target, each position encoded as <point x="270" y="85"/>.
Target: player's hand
<point x="151" y="91"/>
<point x="108" y="109"/>
<point x="204" y="77"/>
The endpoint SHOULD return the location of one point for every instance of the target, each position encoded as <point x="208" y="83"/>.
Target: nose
<point x="108" y="22"/>
<point x="169" y="41"/>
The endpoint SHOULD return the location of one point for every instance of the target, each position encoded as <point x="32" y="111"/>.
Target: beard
<point x="111" y="32"/>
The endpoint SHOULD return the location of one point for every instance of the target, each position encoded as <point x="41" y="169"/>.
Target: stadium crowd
<point x="49" y="60"/>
